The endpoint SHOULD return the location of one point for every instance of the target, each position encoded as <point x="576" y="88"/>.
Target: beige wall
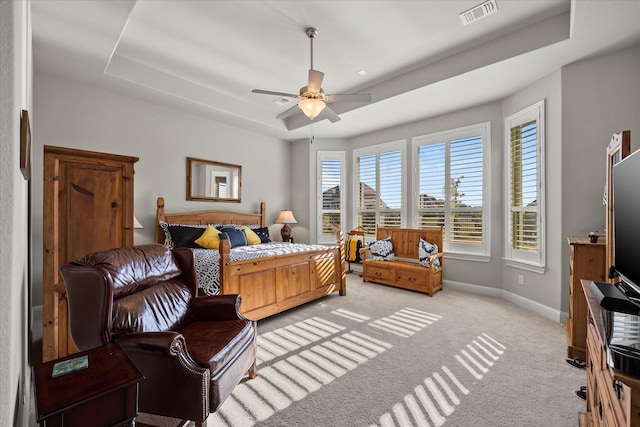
<point x="77" y="116"/>
<point x="544" y="288"/>
<point x="600" y="96"/>
<point x="584" y="104"/>
<point x="15" y="95"/>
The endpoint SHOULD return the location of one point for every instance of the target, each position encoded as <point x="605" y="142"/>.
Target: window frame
<point x="341" y="157"/>
<point x="531" y="261"/>
<point x="377" y="150"/>
<point x="464" y="251"/>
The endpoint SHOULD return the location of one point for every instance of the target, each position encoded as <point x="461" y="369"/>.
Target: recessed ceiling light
<point x="362" y="72"/>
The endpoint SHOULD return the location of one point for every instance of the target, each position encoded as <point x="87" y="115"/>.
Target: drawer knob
<point x="412" y="279"/>
<point x="378" y="274"/>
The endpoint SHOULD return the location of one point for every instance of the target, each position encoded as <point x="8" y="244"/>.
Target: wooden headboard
<point x="206" y="217"/>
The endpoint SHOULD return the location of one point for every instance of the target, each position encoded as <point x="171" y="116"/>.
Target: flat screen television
<point x="626" y="214"/>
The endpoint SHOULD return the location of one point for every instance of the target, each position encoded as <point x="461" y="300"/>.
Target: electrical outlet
<point x="520" y="279"/>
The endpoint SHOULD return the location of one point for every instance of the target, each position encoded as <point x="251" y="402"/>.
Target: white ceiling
<point x="204" y="57"/>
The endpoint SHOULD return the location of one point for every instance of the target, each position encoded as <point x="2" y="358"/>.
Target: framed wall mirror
<point x="213" y="181"/>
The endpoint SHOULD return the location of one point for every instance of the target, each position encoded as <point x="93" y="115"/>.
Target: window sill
<point x="523" y="265"/>
<point x="467" y="256"/>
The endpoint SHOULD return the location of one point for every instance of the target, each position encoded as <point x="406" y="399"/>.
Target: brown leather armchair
<point x="192" y="350"/>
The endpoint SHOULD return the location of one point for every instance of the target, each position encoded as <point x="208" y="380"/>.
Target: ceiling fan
<point x="313" y="101"/>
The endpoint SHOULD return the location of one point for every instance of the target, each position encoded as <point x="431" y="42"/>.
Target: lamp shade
<point x="311" y="107"/>
<point x="286" y="217"/>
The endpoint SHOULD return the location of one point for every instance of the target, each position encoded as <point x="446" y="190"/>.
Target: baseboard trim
<point x="529" y="304"/>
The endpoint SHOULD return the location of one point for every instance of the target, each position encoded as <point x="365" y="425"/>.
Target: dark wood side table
<point x="105" y="393"/>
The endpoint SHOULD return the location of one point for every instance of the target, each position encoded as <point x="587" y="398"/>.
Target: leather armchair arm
<point x="217" y="307"/>
<point x="150" y="342"/>
<point x="163" y="359"/>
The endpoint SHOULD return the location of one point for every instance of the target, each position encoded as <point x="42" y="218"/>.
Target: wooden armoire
<point x="87" y="206"/>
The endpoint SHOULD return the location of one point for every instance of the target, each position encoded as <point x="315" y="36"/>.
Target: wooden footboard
<point x="275" y="284"/>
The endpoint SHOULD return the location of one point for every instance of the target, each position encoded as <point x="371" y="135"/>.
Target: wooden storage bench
<point x="405" y="271"/>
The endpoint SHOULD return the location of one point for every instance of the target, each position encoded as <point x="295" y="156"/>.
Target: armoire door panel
<point x="87" y="206"/>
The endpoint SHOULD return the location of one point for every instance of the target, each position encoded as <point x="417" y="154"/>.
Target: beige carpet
<point x="390" y="357"/>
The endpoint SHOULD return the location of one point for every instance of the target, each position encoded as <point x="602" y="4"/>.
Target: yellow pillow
<point x="252" y="237"/>
<point x="210" y="239"/>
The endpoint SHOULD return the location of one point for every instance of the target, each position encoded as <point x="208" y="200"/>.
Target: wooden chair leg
<point x="253" y="370"/>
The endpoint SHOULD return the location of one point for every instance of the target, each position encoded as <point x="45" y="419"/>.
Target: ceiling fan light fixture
<point x="311" y="107"/>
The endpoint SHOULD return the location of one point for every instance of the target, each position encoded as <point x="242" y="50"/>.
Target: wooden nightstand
<point x="105" y="393"/>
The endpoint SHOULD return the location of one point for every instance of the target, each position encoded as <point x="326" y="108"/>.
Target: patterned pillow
<point x="382" y="250"/>
<point x="425" y="250"/>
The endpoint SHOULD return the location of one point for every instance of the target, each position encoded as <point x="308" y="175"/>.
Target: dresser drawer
<point x="411" y="277"/>
<point x="378" y="273"/>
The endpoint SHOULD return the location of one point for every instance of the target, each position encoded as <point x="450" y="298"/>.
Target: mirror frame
<point x="190" y="196"/>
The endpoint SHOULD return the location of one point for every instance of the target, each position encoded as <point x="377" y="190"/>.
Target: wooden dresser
<point x="586" y="261"/>
<point x="613" y="398"/>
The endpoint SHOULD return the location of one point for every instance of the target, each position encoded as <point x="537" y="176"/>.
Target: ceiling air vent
<point x="478" y="12"/>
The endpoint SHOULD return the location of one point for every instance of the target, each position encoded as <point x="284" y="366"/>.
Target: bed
<point x="289" y="275"/>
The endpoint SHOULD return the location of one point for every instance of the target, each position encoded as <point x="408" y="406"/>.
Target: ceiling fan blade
<point x="315" y="80"/>
<point x="328" y="113"/>
<point x="356" y="97"/>
<point x="290" y="112"/>
<point x="270" y="92"/>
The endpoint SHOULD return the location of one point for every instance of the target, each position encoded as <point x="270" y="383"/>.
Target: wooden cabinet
<point x="87" y="206"/>
<point x="613" y="398"/>
<point x="586" y="261"/>
<point x="105" y="393"/>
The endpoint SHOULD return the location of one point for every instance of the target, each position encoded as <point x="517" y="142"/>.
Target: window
<point x="379" y="191"/>
<point x="330" y="196"/>
<point x="451" y="188"/>
<point x="525" y="244"/>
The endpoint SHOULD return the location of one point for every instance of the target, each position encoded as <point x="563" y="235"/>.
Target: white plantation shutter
<point x="466" y="188"/>
<point x="379" y="190"/>
<point x="451" y="175"/>
<point x="525" y="243"/>
<point x="524" y="213"/>
<point x="432" y="183"/>
<point x="331" y="196"/>
<point x="390" y="195"/>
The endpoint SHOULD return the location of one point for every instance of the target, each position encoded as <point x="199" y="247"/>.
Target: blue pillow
<point x="227" y="228"/>
<point x="235" y="238"/>
<point x="382" y="250"/>
<point x="425" y="250"/>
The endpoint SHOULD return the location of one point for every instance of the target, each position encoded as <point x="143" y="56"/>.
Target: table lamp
<point x="286" y="217"/>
